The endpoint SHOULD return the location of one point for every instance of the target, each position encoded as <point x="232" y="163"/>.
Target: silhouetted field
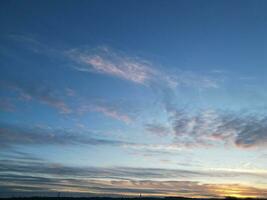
<point x="125" y="198"/>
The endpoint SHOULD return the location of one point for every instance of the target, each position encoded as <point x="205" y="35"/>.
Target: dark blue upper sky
<point x="188" y="32"/>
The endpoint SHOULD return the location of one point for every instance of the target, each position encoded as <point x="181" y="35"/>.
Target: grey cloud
<point x="18" y="156"/>
<point x="157" y="129"/>
<point x="46" y="95"/>
<point x="210" y="127"/>
<point x="6" y="105"/>
<point x="12" y="135"/>
<point x="57" y="170"/>
<point x="20" y="176"/>
<point x="33" y="167"/>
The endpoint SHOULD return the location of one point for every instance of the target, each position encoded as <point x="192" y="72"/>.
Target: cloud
<point x="154" y="148"/>
<point x="196" y="80"/>
<point x="105" y="61"/>
<point x="48" y="96"/>
<point x="41" y="93"/>
<point x="11" y="135"/>
<point x="34" y="45"/>
<point x="112" y="62"/>
<point x="110" y="110"/>
<point x="111" y="188"/>
<point x="41" y="167"/>
<point x="210" y="127"/>
<point x="27" y="164"/>
<point x="18" y="156"/>
<point x="113" y="113"/>
<point x="70" y="92"/>
<point x="40" y="176"/>
<point x="157" y="129"/>
<point x="6" y="105"/>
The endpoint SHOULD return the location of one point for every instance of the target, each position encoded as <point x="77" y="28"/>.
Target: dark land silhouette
<point x="126" y="198"/>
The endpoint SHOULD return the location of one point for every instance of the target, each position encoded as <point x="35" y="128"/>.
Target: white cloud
<point x="154" y="147"/>
<point x="104" y="61"/>
<point x="140" y="71"/>
<point x="113" y="114"/>
<point x="109" y="111"/>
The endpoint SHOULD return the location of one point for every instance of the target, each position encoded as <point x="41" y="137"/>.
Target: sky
<point x="118" y="98"/>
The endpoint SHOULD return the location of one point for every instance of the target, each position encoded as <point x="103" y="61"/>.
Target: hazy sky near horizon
<point x="127" y="97"/>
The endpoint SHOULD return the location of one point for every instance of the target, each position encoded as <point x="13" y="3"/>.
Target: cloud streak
<point x="43" y="94"/>
<point x="103" y="60"/>
<point x="107" y="61"/>
<point x="11" y="135"/>
<point x="6" y="105"/>
<point x="107" y="110"/>
<point x="115" y="63"/>
<point x="113" y="113"/>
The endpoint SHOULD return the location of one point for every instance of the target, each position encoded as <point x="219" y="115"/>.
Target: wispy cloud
<point x="196" y="80"/>
<point x="31" y="43"/>
<point x="70" y="92"/>
<point x="106" y="109"/>
<point x="6" y="105"/>
<point x="10" y="136"/>
<point x="157" y="129"/>
<point x="154" y="148"/>
<point x="113" y="113"/>
<point x="41" y="93"/>
<point x="33" y="135"/>
<point x="106" y="61"/>
<point x="210" y="127"/>
<point x="116" y="63"/>
<point x="51" y="97"/>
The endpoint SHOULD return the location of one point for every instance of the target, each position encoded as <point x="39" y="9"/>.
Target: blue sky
<point x="128" y="97"/>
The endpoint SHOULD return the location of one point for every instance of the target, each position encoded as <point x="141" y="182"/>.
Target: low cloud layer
<point x="35" y="176"/>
